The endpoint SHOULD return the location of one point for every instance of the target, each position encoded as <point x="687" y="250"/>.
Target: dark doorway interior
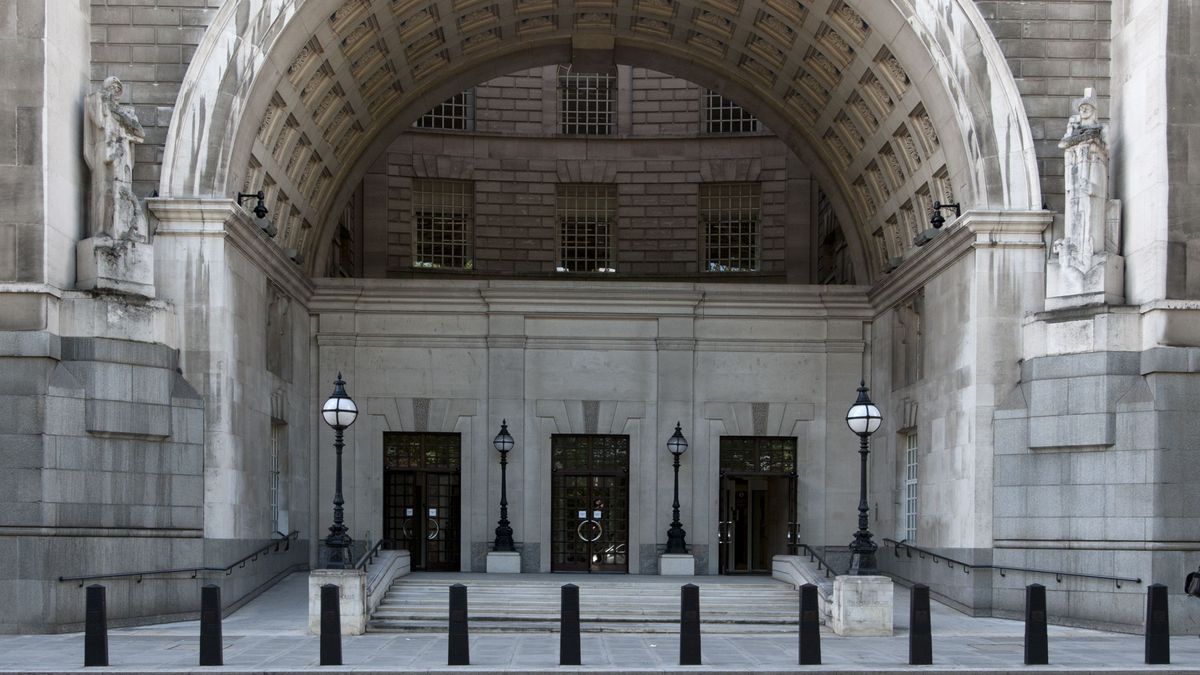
<point x="590" y="502"/>
<point x="757" y="502"/>
<point x="422" y="497"/>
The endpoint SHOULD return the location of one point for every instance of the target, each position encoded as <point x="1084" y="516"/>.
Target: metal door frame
<point x="727" y="474"/>
<point x="591" y="473"/>
<point x="420" y="473"/>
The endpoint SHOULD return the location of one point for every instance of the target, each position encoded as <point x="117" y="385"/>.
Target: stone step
<point x="607" y="605"/>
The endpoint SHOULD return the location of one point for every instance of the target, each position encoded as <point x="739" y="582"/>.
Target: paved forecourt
<point x="269" y="635"/>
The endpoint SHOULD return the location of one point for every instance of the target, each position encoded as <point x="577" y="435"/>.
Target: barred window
<point x="277" y="444"/>
<point x="910" y="488"/>
<point x="587" y="103"/>
<point x="456" y="113"/>
<point x="586" y="218"/>
<point x="729" y="226"/>
<point x="442" y="223"/>
<point x="722" y="116"/>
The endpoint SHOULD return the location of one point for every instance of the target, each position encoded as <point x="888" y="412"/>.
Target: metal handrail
<point x="285" y="541"/>
<point x="1002" y="569"/>
<point x="813" y="556"/>
<point x="368" y="557"/>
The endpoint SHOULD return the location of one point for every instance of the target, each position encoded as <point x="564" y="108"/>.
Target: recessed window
<point x="722" y="116"/>
<point x="456" y="113"/>
<point x="442" y="223"/>
<point x="910" y="488"/>
<point x="587" y="103"/>
<point x="275" y="483"/>
<point x="586" y="218"/>
<point x="729" y="226"/>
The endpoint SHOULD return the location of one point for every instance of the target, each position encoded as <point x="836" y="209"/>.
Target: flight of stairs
<point x="607" y="603"/>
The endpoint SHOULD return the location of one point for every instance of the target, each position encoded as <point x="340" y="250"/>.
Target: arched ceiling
<point x="894" y="104"/>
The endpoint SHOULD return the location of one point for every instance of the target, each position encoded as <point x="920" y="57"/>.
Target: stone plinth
<point x="352" y="601"/>
<point x="115" y="265"/>
<point x="862" y="606"/>
<point x="503" y="562"/>
<point x="677" y="565"/>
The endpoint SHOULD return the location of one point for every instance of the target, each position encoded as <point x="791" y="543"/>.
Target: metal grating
<point x="722" y="116"/>
<point x="729" y="214"/>
<point x="276" y="473"/>
<point x="587" y="104"/>
<point x="456" y="113"/>
<point x="910" y="489"/>
<point x="586" y="219"/>
<point x="442" y="223"/>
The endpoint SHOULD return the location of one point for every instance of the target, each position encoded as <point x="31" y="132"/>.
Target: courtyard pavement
<point x="270" y="635"/>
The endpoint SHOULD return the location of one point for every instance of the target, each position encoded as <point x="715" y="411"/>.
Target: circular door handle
<point x="599" y="530"/>
<point x="404" y="533"/>
<point x="437" y="530"/>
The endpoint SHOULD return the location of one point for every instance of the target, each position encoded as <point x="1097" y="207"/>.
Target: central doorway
<point x="422" y="496"/>
<point x="590" y="502"/>
<point x="757" y="503"/>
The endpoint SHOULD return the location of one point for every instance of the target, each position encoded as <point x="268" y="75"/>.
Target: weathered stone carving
<point x="1085" y="265"/>
<point x="109" y="135"/>
<point x="116" y="256"/>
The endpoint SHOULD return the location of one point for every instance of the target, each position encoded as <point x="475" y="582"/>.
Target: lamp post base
<point x="677" y="565"/>
<point x="862" y="606"/>
<point x="862" y="563"/>
<point x="503" y="562"/>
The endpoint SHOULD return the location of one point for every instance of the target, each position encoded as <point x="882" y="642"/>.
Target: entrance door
<point x="590" y="502"/>
<point x="757" y="503"/>
<point x="421" y="497"/>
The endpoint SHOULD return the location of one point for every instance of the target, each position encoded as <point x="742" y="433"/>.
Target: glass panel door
<point x="757" y="502"/>
<point x="422" y="497"/>
<point x="590" y="502"/>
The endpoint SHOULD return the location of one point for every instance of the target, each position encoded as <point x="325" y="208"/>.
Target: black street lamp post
<point x="504" y="532"/>
<point x="676" y="536"/>
<point x="863" y="418"/>
<point x="339" y="412"/>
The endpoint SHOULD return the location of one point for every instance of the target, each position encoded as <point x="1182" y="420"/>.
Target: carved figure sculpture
<point x="1087" y="257"/>
<point x="110" y="131"/>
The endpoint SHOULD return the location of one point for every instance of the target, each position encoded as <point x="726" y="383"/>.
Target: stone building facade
<point x="595" y="284"/>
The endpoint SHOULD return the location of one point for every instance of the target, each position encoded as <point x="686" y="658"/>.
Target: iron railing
<point x="813" y="556"/>
<point x="369" y="557"/>
<point x="1059" y="575"/>
<point x="285" y="541"/>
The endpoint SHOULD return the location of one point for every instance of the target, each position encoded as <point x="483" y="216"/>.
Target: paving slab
<point x="269" y="635"/>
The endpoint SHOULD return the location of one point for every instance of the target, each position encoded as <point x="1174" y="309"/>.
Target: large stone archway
<point x="895" y="104"/>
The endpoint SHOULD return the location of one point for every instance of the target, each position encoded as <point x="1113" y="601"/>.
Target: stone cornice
<point x="974" y="230"/>
<point x="198" y="217"/>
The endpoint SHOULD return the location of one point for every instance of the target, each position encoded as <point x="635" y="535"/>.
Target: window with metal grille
<point x="587" y="103"/>
<point x="910" y="488"/>
<point x="277" y="432"/>
<point x="722" y="116"/>
<point x="586" y="218"/>
<point x="456" y="113"/>
<point x="442" y="223"/>
<point x="729" y="226"/>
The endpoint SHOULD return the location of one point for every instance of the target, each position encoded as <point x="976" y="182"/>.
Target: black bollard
<point x="459" y="648"/>
<point x="810" y="627"/>
<point x="1158" y="626"/>
<point x="331" y="626"/>
<point x="210" y="626"/>
<point x="920" y="639"/>
<point x="95" y="636"/>
<point x="568" y="640"/>
<point x="1037" y="651"/>
<point x="689" y="626"/>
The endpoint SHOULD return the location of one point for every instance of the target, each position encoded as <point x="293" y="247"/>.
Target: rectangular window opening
<point x="729" y="215"/>
<point x="722" y="116"/>
<point x="587" y="103"/>
<point x="442" y="221"/>
<point x="910" y="488"/>
<point x="586" y="219"/>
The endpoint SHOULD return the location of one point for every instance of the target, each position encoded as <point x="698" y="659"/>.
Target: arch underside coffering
<point x="893" y="104"/>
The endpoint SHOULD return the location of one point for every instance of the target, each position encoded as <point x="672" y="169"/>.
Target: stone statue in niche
<point x="116" y="256"/>
<point x="1085" y="265"/>
<point x="109" y="135"/>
